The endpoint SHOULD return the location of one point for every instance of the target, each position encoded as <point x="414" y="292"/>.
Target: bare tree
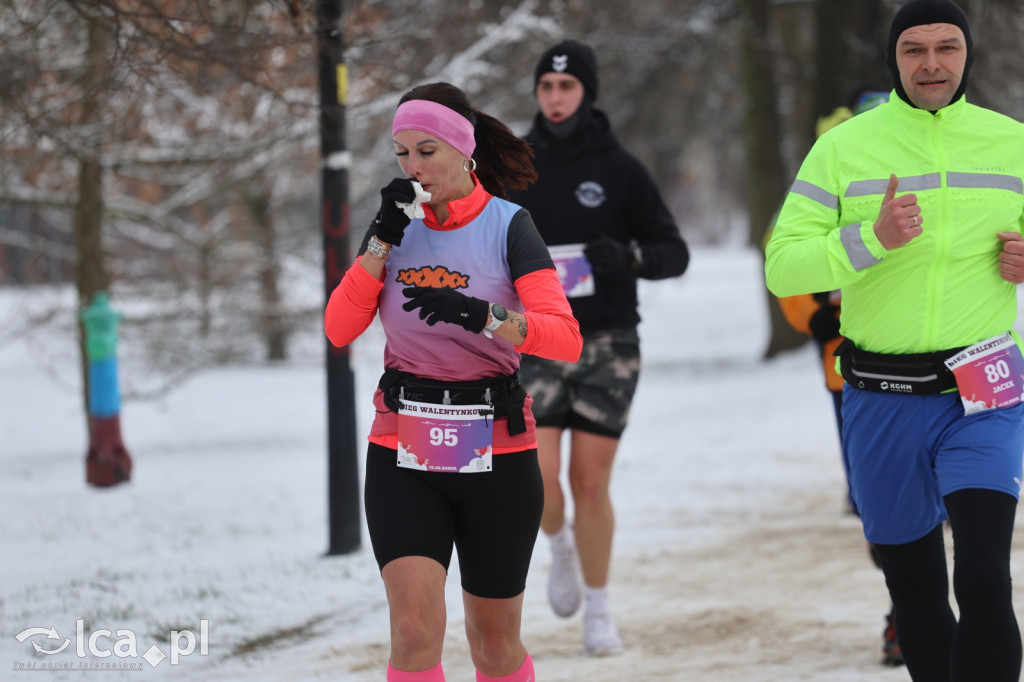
<point x="849" y="52"/>
<point x="201" y="128"/>
<point x="91" y="272"/>
<point x="763" y="136"/>
<point x="173" y="106"/>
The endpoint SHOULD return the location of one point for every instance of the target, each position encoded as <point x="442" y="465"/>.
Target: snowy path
<point x="733" y="561"/>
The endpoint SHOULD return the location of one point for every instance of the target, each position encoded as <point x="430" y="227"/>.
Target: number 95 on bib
<point x="452" y="439"/>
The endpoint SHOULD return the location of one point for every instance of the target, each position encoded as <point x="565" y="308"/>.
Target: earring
<point x="466" y="167"/>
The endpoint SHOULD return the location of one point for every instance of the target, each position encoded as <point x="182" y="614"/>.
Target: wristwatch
<point x="498" y="317"/>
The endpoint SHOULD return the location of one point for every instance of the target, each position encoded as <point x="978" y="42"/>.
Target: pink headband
<point x="436" y="119"/>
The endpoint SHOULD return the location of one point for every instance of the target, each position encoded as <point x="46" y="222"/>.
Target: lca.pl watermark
<point x="125" y="647"/>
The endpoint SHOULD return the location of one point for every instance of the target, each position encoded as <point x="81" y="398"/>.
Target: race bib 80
<point x="989" y="374"/>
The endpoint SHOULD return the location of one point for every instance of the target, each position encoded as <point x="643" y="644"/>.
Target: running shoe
<point x="600" y="636"/>
<point x="891" y="654"/>
<point x="564" y="589"/>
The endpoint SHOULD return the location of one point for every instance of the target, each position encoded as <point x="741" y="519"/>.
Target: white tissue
<point x="414" y="209"/>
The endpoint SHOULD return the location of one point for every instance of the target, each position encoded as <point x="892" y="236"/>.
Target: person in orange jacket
<point x="817" y="315"/>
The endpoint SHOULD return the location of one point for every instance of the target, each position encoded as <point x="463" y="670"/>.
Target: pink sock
<point x="435" y="674"/>
<point x="524" y="674"/>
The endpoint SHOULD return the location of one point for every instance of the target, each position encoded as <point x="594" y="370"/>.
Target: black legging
<point x="985" y="644"/>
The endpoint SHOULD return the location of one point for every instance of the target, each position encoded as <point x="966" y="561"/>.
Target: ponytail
<point x="503" y="161"/>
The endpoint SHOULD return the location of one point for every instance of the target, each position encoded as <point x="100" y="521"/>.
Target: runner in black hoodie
<point x="596" y="205"/>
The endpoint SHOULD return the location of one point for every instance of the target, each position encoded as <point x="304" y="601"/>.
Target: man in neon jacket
<point x="915" y="209"/>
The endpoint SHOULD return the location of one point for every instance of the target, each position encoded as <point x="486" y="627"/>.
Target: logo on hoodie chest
<point x="590" y="194"/>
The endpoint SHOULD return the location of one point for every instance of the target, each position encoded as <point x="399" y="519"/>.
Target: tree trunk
<point x="272" y="323"/>
<point x="90" y="267"/>
<point x="765" y="184"/>
<point x="850" y="51"/>
<point x="829" y="56"/>
<point x="762" y="130"/>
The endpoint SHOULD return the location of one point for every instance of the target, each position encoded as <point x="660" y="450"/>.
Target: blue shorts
<point x="907" y="452"/>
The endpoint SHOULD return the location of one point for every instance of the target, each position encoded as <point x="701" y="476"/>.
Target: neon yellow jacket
<point x="943" y="289"/>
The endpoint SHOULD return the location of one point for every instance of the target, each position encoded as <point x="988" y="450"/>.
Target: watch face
<point x="498" y="312"/>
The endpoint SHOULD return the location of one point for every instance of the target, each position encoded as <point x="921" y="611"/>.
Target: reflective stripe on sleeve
<point x="815" y="193"/>
<point x="856" y="250"/>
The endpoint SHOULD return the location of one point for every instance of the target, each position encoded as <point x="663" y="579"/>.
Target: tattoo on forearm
<point x="521" y="325"/>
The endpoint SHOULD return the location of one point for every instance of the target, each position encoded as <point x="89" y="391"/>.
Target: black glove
<point x="824" y="323"/>
<point x="607" y="254"/>
<point x="391" y="221"/>
<point x="448" y="305"/>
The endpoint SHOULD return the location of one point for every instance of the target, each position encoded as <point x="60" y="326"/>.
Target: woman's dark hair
<point x="504" y="162"/>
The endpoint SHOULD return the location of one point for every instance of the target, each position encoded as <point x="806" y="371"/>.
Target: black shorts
<point x="491" y="518"/>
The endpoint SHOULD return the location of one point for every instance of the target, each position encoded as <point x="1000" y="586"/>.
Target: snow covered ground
<point x="734" y="559"/>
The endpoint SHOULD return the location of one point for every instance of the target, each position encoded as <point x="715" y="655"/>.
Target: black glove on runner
<point x="607" y="254"/>
<point x="448" y="305"/>
<point x="391" y="221"/>
<point x="824" y="323"/>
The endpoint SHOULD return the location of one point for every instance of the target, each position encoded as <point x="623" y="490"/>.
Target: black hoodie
<point x="589" y="186"/>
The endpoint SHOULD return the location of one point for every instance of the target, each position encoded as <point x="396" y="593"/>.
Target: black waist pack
<point x="904" y="374"/>
<point x="505" y="393"/>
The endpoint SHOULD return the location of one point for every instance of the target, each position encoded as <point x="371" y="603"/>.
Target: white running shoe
<point x="564" y="590"/>
<point x="600" y="636"/>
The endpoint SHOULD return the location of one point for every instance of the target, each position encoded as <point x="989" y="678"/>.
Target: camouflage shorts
<point x="593" y="394"/>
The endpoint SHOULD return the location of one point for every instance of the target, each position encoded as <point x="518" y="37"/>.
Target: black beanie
<point x="573" y="58"/>
<point x="919" y="13"/>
